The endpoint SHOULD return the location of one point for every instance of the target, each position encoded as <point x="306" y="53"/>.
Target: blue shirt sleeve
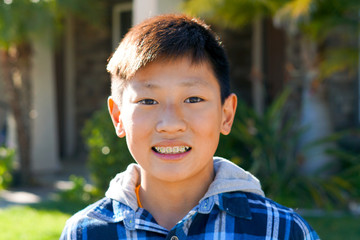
<point x="301" y="230"/>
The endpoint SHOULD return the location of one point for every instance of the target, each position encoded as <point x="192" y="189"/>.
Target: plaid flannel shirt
<point x="225" y="215"/>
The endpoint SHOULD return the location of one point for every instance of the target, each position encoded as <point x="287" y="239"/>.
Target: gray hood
<point x="228" y="178"/>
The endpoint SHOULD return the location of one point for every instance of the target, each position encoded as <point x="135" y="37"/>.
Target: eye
<point x="147" y="102"/>
<point x="193" y="100"/>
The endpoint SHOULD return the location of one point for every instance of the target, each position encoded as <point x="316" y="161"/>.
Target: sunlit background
<point x="294" y="66"/>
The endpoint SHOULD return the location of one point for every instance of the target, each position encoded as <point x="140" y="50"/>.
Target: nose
<point x="171" y="120"/>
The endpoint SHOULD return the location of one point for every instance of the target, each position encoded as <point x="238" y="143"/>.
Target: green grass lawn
<point x="335" y="228"/>
<point x="29" y="223"/>
<point x="45" y="221"/>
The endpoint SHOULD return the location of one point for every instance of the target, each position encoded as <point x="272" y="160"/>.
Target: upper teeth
<point x="172" y="150"/>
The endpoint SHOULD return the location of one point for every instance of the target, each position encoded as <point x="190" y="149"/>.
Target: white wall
<point x="143" y="9"/>
<point x="44" y="141"/>
<point x="69" y="100"/>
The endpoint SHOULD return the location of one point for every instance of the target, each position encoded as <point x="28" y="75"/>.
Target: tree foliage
<point x="26" y="20"/>
<point x="22" y="22"/>
<point x="20" y="19"/>
<point x="333" y="24"/>
<point x="319" y="20"/>
<point x="232" y="13"/>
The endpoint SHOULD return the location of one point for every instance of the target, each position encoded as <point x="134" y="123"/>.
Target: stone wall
<point x="237" y="44"/>
<point x="93" y="46"/>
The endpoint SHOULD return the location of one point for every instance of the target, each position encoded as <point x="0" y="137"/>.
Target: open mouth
<point x="171" y="150"/>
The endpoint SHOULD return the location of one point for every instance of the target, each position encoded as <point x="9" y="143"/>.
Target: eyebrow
<point x="195" y="81"/>
<point x="190" y="82"/>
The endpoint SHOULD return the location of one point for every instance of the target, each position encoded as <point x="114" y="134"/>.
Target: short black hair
<point x="168" y="37"/>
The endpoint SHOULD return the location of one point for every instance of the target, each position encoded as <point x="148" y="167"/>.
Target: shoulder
<point x="280" y="220"/>
<point x="96" y="218"/>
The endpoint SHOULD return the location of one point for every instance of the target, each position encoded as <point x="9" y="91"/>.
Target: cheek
<point x="135" y="120"/>
<point x="136" y="139"/>
<point x="206" y="123"/>
<point x="138" y="129"/>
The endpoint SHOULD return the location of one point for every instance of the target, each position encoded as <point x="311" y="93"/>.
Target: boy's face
<point x="172" y="117"/>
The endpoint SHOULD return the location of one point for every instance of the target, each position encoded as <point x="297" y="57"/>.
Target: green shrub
<point x="268" y="147"/>
<point x="6" y="166"/>
<point x="347" y="155"/>
<point x="108" y="154"/>
<point x="80" y="192"/>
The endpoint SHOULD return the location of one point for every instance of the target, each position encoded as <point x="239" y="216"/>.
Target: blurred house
<point x="71" y="82"/>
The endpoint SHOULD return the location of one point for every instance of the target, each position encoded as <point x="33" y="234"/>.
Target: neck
<point x="169" y="202"/>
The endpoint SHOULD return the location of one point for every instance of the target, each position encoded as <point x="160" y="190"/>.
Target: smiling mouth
<point x="171" y="150"/>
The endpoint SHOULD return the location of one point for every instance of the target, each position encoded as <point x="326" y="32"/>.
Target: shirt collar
<point x="112" y="211"/>
<point x="233" y="203"/>
<point x="109" y="210"/>
<point x="228" y="178"/>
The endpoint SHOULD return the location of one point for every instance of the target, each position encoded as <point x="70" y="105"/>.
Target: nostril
<point x="171" y="119"/>
<point x="171" y="125"/>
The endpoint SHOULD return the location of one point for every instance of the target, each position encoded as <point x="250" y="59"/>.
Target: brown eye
<point x="148" y="102"/>
<point x="194" y="100"/>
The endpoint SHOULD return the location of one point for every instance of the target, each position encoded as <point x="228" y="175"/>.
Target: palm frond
<point x="339" y="60"/>
<point x="291" y="14"/>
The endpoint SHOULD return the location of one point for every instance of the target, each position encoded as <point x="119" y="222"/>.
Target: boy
<point x="171" y="99"/>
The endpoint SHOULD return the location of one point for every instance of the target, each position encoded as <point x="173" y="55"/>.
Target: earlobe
<point x="114" y="111"/>
<point x="229" y="109"/>
<point x="120" y="131"/>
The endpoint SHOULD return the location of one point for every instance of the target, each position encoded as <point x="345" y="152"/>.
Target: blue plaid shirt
<point x="224" y="215"/>
<point x="234" y="215"/>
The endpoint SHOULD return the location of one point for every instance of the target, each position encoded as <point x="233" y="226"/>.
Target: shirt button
<point x="174" y="238"/>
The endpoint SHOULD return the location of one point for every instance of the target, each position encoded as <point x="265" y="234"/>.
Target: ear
<point x="114" y="110"/>
<point x="228" y="113"/>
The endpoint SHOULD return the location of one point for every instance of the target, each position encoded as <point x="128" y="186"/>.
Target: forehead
<point x="180" y="71"/>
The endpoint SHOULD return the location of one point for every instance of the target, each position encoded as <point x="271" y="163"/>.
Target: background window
<point x="121" y="22"/>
